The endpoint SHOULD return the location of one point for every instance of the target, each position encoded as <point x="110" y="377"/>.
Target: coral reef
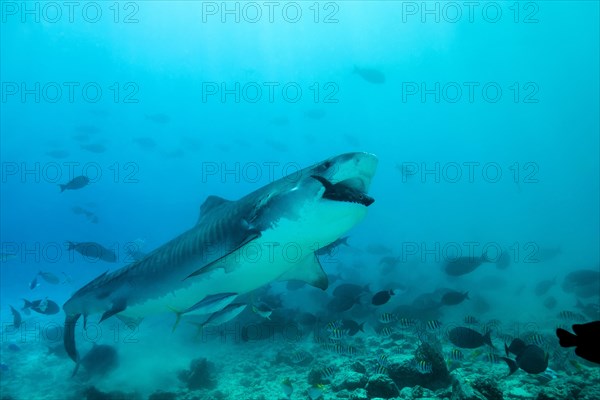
<point x="200" y="375"/>
<point x="381" y="386"/>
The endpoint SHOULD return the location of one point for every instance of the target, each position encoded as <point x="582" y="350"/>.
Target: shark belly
<point x="285" y="247"/>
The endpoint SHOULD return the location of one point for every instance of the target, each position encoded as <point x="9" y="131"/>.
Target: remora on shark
<point x="237" y="246"/>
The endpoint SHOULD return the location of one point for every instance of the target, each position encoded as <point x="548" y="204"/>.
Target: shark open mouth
<point x="349" y="191"/>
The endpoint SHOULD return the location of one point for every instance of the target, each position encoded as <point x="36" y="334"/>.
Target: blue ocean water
<point x="484" y="120"/>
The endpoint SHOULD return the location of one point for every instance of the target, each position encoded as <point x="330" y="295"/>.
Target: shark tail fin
<point x="62" y="187"/>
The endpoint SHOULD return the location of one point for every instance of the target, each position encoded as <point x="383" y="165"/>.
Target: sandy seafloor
<point x="255" y="370"/>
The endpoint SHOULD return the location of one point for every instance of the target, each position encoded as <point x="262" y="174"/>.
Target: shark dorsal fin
<point x="211" y="203"/>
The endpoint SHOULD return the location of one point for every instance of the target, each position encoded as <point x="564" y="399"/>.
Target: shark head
<point x="319" y="203"/>
<point x="355" y="170"/>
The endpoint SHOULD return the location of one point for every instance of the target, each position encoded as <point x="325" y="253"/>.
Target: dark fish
<point x="550" y="303"/>
<point x="158" y="118"/>
<point x="453" y="298"/>
<point x="145" y="143"/>
<point x="584" y="283"/>
<point x="94" y="147"/>
<point x="76" y="183"/>
<point x="467" y="338"/>
<point x="49" y="277"/>
<point x="464" y="265"/>
<point x="349" y="290"/>
<point x="352" y="327"/>
<point x="340" y="304"/>
<point x="426" y="302"/>
<point x="370" y="75"/>
<point x="328" y="250"/>
<point x="58" y="153"/>
<point x="471" y="320"/>
<point x="315" y="113"/>
<point x="34" y="283"/>
<point x="542" y="287"/>
<point x="93" y="250"/>
<point x="16" y="317"/>
<point x="531" y="359"/>
<point x="585" y="340"/>
<point x="516" y="347"/>
<point x="45" y="306"/>
<point x="99" y="361"/>
<point x="380" y="298"/>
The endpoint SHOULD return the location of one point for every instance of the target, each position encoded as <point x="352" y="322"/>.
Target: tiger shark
<point x="236" y="246"/>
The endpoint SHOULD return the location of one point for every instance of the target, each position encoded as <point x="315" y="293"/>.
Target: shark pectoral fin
<point x="308" y="270"/>
<point x="118" y="306"/>
<point x="252" y="235"/>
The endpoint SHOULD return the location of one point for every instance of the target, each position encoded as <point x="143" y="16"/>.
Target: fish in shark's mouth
<point x="318" y="206"/>
<point x="344" y="191"/>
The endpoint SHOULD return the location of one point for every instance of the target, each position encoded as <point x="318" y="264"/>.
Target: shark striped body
<point x="237" y="246"/>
